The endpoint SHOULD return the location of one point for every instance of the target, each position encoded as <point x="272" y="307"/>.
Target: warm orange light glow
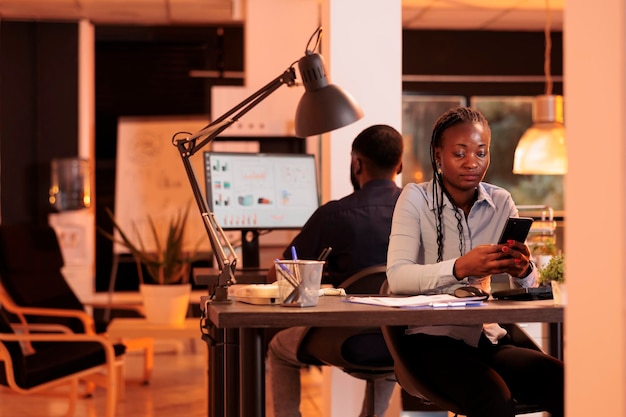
<point x="542" y="150"/>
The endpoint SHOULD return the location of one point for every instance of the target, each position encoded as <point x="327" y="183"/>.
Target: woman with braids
<point x="443" y="235"/>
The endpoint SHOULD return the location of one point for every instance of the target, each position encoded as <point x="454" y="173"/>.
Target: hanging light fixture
<point x="541" y="150"/>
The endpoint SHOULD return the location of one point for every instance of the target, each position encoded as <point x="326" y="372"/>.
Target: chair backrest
<point x="406" y="376"/>
<point x="30" y="270"/>
<point x="366" y="281"/>
<point x="63" y="358"/>
<point x="409" y="379"/>
<point x="519" y="337"/>
<point x="350" y="348"/>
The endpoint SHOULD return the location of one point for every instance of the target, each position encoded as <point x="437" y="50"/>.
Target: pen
<point x="324" y="254"/>
<point x="457" y="304"/>
<point x="288" y="275"/>
<point x="294" y="281"/>
<point x="296" y="271"/>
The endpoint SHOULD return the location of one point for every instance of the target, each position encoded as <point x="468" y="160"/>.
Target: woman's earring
<point x="438" y="168"/>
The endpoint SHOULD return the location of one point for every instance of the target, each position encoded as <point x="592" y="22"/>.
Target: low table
<point x="128" y="299"/>
<point x="128" y="330"/>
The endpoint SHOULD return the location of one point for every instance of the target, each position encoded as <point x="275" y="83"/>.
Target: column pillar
<point x="362" y="49"/>
<point x="595" y="203"/>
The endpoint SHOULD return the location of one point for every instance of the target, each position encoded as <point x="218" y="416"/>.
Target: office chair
<point x="409" y="379"/>
<point x="62" y="358"/>
<point x="359" y="352"/>
<point x="367" y="281"/>
<point x="34" y="290"/>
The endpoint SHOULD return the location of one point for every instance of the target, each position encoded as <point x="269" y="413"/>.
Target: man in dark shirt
<point x="357" y="229"/>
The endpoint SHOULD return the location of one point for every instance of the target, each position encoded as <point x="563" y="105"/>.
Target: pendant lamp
<point x="541" y="150"/>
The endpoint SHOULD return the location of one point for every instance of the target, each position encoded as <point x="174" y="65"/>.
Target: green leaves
<point x="554" y="270"/>
<point x="168" y="263"/>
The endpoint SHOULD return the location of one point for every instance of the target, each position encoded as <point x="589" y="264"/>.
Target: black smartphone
<point x="516" y="228"/>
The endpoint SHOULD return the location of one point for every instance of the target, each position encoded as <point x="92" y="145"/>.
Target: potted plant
<point x="543" y="250"/>
<point x="167" y="263"/>
<point x="554" y="273"/>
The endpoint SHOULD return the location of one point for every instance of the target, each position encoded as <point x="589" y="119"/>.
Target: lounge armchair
<point x="61" y="358"/>
<point x="34" y="290"/>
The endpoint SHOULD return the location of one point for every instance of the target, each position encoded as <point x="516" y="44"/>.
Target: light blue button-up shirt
<point x="412" y="266"/>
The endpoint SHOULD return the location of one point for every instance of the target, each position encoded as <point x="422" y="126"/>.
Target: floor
<point x="176" y="389"/>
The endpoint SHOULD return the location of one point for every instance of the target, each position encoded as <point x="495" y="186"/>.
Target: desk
<point x="237" y="324"/>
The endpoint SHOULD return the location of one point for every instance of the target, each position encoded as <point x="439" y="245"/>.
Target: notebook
<point x="538" y="293"/>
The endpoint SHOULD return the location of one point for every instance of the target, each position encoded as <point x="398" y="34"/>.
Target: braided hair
<point x="450" y="118"/>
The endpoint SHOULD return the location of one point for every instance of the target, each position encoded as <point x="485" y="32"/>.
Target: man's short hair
<point x="381" y="144"/>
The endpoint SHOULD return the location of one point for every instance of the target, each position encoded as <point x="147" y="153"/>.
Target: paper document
<point x="439" y="300"/>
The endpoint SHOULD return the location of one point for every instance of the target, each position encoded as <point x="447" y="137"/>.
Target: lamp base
<point x="205" y="300"/>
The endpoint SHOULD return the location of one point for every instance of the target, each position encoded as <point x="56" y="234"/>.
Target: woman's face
<point x="463" y="156"/>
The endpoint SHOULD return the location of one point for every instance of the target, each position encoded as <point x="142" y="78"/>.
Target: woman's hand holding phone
<point x="497" y="258"/>
<point x="516" y="228"/>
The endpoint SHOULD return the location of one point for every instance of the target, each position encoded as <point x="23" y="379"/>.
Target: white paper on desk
<point x="439" y="300"/>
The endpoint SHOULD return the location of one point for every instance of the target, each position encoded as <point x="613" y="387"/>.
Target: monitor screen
<point x="261" y="191"/>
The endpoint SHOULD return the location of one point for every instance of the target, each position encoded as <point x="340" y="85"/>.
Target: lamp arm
<point x="187" y="147"/>
<point x="213" y="129"/>
<point x="217" y="239"/>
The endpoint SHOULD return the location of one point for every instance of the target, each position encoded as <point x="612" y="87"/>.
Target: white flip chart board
<point x="151" y="178"/>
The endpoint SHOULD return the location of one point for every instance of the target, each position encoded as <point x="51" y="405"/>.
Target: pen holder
<point x="298" y="282"/>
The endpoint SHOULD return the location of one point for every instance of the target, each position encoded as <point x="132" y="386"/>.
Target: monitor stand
<point x="250" y="249"/>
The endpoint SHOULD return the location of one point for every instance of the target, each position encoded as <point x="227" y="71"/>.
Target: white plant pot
<point x="166" y="304"/>
<point x="541" y="260"/>
<point x="559" y="292"/>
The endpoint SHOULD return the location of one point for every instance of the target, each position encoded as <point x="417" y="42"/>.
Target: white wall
<point x="275" y="36"/>
<point x="362" y="47"/>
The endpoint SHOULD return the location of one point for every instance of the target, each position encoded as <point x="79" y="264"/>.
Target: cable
<point x="546" y="63"/>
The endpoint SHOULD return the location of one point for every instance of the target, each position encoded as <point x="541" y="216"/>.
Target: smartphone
<point x="516" y="228"/>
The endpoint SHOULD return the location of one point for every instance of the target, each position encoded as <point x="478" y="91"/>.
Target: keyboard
<point x="538" y="293"/>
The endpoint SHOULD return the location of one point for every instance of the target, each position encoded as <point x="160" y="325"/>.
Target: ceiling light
<point x="541" y="150"/>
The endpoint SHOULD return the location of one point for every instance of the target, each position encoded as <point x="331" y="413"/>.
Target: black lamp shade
<point x="323" y="107"/>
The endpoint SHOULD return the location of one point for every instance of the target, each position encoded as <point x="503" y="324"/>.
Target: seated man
<point x="357" y="229"/>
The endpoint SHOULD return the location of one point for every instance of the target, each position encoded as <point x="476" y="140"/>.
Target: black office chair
<point x="357" y="351"/>
<point x="409" y="379"/>
<point x="367" y="281"/>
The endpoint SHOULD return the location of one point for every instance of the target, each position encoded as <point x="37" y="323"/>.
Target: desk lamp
<point x="322" y="108"/>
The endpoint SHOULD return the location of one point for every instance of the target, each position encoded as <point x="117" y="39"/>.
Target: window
<point x="419" y="114"/>
<point x="508" y="116"/>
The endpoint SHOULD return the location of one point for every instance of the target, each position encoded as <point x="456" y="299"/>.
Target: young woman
<point x="444" y="234"/>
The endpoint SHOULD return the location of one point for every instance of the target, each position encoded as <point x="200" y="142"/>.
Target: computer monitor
<point x="260" y="191"/>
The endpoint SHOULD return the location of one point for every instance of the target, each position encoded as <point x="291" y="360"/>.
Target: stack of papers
<point x="439" y="300"/>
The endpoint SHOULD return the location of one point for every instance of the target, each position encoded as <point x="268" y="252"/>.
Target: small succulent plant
<point x="554" y="270"/>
